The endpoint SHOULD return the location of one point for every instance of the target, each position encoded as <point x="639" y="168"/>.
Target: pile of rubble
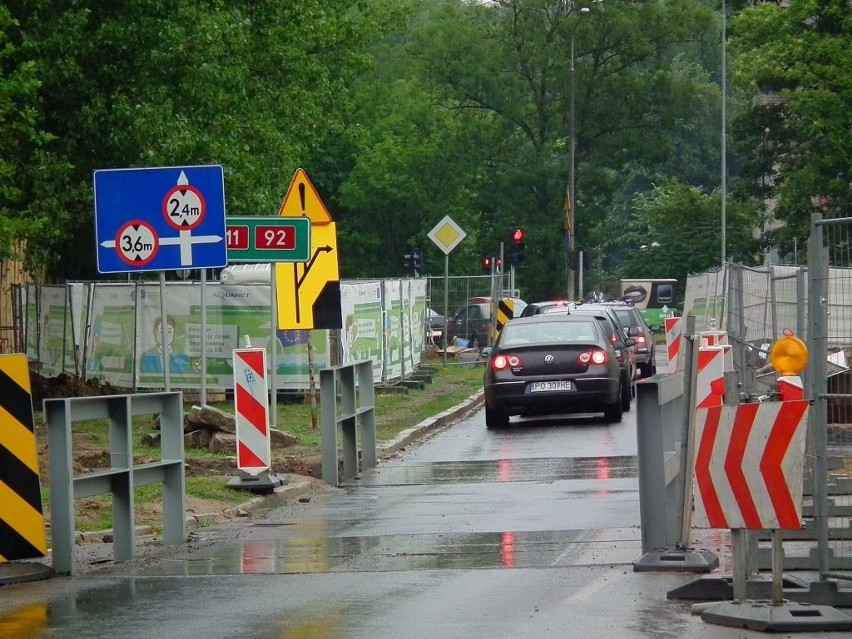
<point x="207" y="427"/>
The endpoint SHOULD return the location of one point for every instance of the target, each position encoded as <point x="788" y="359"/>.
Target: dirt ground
<point x="90" y="456"/>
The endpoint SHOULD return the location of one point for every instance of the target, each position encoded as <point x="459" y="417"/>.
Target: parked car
<point x="472" y="320"/>
<point x="551" y="364"/>
<point x="619" y="335"/>
<point x="632" y="319"/>
<point x="545" y="307"/>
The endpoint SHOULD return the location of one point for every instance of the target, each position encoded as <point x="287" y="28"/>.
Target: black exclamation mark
<point x="302" y="196"/>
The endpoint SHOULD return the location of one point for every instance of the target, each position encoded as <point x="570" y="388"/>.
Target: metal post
<point x="204" y="337"/>
<point x="818" y="343"/>
<point x="690" y="354"/>
<point x="724" y="132"/>
<point x="447" y="299"/>
<point x="571" y="198"/>
<point x="164" y="342"/>
<point x="273" y="355"/>
<point x="777" y="567"/>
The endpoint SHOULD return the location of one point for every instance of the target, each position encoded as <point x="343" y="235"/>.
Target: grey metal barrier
<point x="664" y="452"/>
<point x="347" y="398"/>
<point x="122" y="477"/>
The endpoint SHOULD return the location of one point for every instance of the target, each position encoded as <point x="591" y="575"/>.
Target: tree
<point x="676" y="231"/>
<point x="795" y="59"/>
<point x="257" y="86"/>
<point x="503" y="68"/>
<point x="20" y="138"/>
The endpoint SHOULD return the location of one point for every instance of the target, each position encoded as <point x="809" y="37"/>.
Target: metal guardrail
<point x="348" y="404"/>
<point x="122" y="477"/>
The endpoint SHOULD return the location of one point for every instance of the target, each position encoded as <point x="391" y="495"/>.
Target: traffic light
<point x="516" y="245"/>
<point x="408" y="262"/>
<point x="486" y="264"/>
<point x="418" y="262"/>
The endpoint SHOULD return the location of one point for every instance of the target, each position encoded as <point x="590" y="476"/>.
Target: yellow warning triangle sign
<point x="302" y="200"/>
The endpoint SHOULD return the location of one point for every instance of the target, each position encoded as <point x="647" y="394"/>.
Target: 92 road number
<point x="275" y="237"/>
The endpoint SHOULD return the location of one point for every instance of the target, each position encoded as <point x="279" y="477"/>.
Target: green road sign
<point x="268" y="239"/>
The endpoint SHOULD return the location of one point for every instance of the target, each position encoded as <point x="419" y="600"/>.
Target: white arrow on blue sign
<point x="160" y="219"/>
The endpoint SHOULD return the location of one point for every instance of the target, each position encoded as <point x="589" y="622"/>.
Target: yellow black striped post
<point x="505" y="312"/>
<point x="22" y="529"/>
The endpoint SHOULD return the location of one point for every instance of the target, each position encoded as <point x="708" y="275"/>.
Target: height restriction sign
<point x="160" y="219"/>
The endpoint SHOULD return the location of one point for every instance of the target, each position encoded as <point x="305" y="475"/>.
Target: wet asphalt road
<point x="529" y="531"/>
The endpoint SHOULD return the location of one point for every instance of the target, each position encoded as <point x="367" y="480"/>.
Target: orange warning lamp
<point x="788" y="355"/>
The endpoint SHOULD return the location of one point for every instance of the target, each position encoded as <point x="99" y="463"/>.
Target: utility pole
<point x="570" y="198"/>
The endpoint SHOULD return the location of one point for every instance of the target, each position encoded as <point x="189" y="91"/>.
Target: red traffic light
<point x="517" y="235"/>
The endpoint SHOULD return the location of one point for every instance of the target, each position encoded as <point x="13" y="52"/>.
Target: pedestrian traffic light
<point x="516" y="245"/>
<point x="487" y="261"/>
<point x="417" y="260"/>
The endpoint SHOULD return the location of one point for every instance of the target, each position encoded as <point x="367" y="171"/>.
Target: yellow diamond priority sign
<point x="447" y="235"/>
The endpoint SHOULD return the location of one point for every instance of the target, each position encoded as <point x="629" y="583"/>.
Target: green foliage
<point x="405" y="111"/>
<point x="676" y="231"/>
<point x="796" y="137"/>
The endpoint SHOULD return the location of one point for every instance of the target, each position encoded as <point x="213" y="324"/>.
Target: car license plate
<point x="560" y="385"/>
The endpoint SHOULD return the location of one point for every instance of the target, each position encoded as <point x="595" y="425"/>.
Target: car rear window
<point x="548" y="333"/>
<point x="626" y="318"/>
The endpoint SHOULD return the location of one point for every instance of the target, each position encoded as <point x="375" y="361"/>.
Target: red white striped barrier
<point x="710" y="378"/>
<point x="252" y="407"/>
<point x="749" y="465"/>
<point x="674" y="338"/>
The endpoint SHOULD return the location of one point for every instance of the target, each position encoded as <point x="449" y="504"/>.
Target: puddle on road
<point x="509" y="470"/>
<point x="506" y="549"/>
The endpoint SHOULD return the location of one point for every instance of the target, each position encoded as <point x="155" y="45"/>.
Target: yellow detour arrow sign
<point x="309" y="292"/>
<point x="22" y="531"/>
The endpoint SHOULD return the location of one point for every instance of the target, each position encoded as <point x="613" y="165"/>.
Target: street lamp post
<point x="724" y="168"/>
<point x="570" y="196"/>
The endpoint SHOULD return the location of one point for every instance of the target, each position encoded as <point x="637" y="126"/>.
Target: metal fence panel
<point x="831" y="351"/>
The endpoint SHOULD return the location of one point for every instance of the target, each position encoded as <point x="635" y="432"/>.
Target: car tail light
<point x="640" y="339"/>
<point x="593" y="357"/>
<point x="502" y="362"/>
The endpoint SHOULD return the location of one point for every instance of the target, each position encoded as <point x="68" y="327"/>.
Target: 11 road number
<point x="270" y="238"/>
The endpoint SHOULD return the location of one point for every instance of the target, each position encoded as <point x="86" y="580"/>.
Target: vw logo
<point x="548" y="359"/>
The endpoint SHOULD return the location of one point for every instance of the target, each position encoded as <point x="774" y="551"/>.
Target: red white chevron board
<point x="749" y="465"/>
<point x="674" y="338"/>
<point x="252" y="407"/>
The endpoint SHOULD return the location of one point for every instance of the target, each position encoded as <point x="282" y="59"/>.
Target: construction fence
<point x="754" y="306"/>
<point x="112" y="332"/>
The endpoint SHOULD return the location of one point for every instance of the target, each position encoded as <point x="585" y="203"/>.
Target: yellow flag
<point x="567" y="208"/>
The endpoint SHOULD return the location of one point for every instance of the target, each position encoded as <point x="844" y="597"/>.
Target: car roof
<point x="550" y="317"/>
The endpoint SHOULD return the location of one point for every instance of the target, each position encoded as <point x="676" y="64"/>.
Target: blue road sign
<point x="160" y="219"/>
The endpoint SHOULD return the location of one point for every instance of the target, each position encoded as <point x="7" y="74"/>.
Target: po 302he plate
<point x="559" y="385"/>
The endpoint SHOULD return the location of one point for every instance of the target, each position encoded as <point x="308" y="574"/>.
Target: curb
<point x="441" y="420"/>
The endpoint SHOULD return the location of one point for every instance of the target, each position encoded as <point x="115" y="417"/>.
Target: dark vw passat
<point x="549" y="365"/>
